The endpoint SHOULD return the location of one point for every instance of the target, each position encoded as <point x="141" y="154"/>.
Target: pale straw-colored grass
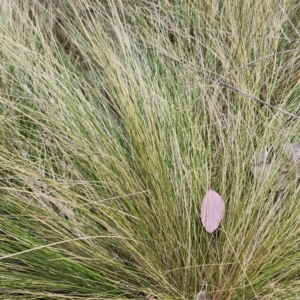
<point x="116" y="118"/>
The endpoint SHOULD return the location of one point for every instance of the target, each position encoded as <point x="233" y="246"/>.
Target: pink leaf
<point x="212" y="211"/>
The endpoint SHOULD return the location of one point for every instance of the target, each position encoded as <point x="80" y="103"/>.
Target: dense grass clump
<point x="116" y="117"/>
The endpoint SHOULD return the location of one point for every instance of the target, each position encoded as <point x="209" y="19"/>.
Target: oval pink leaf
<point x="212" y="211"/>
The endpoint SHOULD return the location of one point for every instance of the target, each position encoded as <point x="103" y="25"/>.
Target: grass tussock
<point x="116" y="117"/>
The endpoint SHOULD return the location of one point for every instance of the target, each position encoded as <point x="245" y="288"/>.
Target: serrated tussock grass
<point x="115" y="121"/>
